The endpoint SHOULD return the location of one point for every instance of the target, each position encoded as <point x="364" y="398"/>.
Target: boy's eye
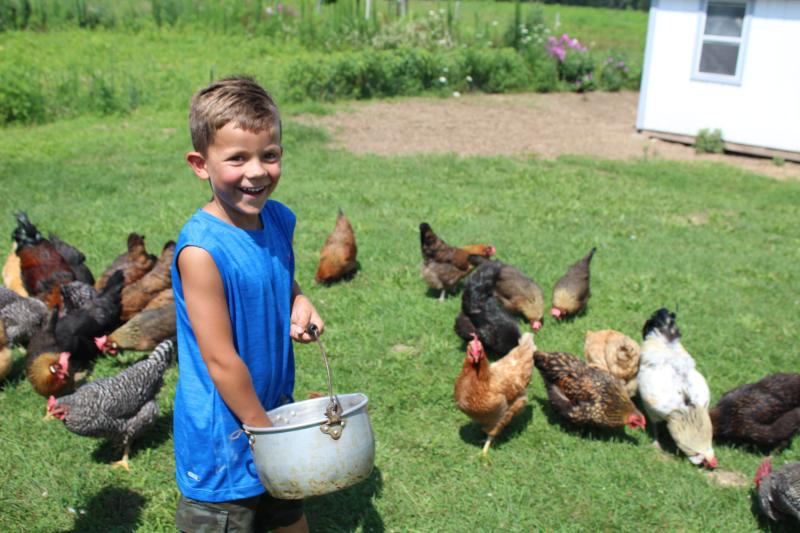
<point x="272" y="156"/>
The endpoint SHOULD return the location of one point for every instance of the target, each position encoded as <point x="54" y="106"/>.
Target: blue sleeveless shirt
<point x="257" y="271"/>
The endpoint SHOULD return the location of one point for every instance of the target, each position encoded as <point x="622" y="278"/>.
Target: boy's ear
<point x="198" y="164"/>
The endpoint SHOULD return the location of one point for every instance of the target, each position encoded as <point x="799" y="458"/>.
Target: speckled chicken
<point x="492" y="394"/>
<point x="779" y="491"/>
<point x="572" y="291"/>
<point x="616" y="353"/>
<point x="584" y="395"/>
<point x="337" y="257"/>
<point x="75" y="294"/>
<point x="134" y="263"/>
<point x="136" y="295"/>
<point x="443" y="266"/>
<point x="765" y="413"/>
<point x="482" y="314"/>
<point x="21" y="315"/>
<point x="119" y="407"/>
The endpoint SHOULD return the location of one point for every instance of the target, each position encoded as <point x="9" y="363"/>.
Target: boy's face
<point x="243" y="167"/>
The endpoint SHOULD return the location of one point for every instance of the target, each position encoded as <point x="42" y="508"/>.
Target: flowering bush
<point x="575" y="65"/>
<point x="614" y="73"/>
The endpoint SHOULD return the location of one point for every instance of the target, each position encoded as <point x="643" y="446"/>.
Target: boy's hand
<point x="303" y="314"/>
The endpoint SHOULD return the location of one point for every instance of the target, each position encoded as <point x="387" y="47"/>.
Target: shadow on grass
<point x="608" y="435"/>
<point x="153" y="437"/>
<point x="471" y="432"/>
<point x="349" y="509"/>
<point x="111" y="509"/>
<point x="347" y="278"/>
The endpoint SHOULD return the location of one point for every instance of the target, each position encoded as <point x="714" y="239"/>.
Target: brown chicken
<point x="134" y="263"/>
<point x="12" y="272"/>
<point x="443" y="266"/>
<point x="337" y="257"/>
<point x="5" y="353"/>
<point x="136" y="295"/>
<point x="616" y="353"/>
<point x="145" y="329"/>
<point x="492" y="394"/>
<point x="42" y="268"/>
<point x="46" y="364"/>
<point x="765" y="413"/>
<point x="585" y="395"/>
<point x="521" y="295"/>
<point x="484" y="250"/>
<point x="571" y="292"/>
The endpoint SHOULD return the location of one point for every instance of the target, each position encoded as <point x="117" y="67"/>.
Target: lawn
<point x="717" y="243"/>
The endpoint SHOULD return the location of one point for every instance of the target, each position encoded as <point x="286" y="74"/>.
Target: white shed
<point x="732" y="65"/>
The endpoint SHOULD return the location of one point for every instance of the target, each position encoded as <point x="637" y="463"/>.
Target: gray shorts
<point x="249" y="515"/>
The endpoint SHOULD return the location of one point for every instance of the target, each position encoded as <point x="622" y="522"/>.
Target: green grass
<point x="718" y="242"/>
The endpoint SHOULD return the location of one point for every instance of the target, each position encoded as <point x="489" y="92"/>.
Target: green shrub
<point x="614" y="73"/>
<point x="709" y="141"/>
<point x="21" y="98"/>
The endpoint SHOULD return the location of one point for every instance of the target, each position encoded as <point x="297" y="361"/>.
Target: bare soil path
<point x="547" y="125"/>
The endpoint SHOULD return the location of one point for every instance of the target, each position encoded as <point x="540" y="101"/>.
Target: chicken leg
<point x="513" y="409"/>
<point x="123" y="463"/>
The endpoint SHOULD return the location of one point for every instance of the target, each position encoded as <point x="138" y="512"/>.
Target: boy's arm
<point x="207" y="308"/>
<point x="303" y="314"/>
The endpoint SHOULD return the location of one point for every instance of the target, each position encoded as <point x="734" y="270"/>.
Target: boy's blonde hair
<point x="237" y="99"/>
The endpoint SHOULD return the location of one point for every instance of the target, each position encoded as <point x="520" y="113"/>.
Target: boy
<point x="237" y="306"/>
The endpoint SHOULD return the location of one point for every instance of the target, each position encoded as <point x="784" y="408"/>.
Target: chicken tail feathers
<point x="165" y="353"/>
<point x="662" y="321"/>
<point x="25" y="234"/>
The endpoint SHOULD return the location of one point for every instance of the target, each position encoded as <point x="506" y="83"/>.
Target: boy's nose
<point x="254" y="169"/>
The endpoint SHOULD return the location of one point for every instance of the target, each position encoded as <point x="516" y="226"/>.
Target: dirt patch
<point x="546" y="125"/>
<point x="728" y="478"/>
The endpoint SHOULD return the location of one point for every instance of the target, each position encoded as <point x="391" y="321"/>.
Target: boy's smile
<point x="243" y="167"/>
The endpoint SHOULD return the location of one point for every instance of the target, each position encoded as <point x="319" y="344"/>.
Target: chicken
<point x="483" y="250"/>
<point x="5" y="353"/>
<point x="135" y="263"/>
<point x="46" y="364"/>
<point x="585" y="395"/>
<point x="443" y="266"/>
<point x="75" y="259"/>
<point x="337" y="257"/>
<point x="672" y="389"/>
<point x="765" y="413"/>
<point x="144" y="330"/>
<point x="616" y="353"/>
<point x="21" y="316"/>
<point x="12" y="272"/>
<point x="520" y="295"/>
<point x="120" y="407"/>
<point x="482" y="314"/>
<point x="492" y="394"/>
<point x="136" y="295"/>
<point x="41" y="265"/>
<point x="572" y="291"/>
<point x="76" y="331"/>
<point x="75" y="294"/>
<point x="779" y="491"/>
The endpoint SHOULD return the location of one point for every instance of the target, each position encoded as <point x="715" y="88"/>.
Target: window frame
<point x="742" y="40"/>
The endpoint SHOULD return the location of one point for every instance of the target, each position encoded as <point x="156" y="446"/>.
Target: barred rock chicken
<point x="145" y="329"/>
<point x="46" y="364"/>
<point x="443" y="266"/>
<point x="22" y="316"/>
<point x="76" y="331"/>
<point x="483" y="315"/>
<point x="135" y="263"/>
<point x="520" y="295"/>
<point x="337" y="257"/>
<point x="492" y="394"/>
<point x="75" y="258"/>
<point x="136" y="295"/>
<point x="584" y="395"/>
<point x="672" y="390"/>
<point x="572" y="291"/>
<point x="5" y="353"/>
<point x="120" y="407"/>
<point x="616" y="353"/>
<point x="41" y="265"/>
<point x="765" y="413"/>
<point x="779" y="491"/>
<point x="12" y="272"/>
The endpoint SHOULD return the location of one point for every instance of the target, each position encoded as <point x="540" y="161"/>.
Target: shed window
<point x="722" y="40"/>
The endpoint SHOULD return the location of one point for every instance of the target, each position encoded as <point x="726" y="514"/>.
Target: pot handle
<point x="333" y="412"/>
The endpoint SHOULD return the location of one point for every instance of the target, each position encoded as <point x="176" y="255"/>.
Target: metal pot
<point x="315" y="446"/>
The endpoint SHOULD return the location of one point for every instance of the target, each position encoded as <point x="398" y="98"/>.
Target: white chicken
<point x="672" y="390"/>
